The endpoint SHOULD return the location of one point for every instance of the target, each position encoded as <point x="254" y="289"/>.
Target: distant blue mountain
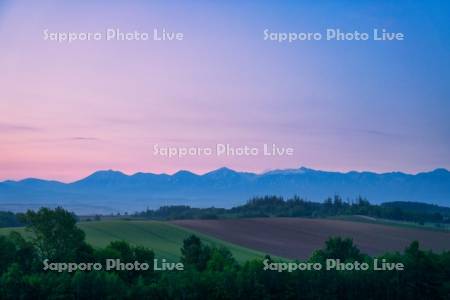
<point x="113" y="191"/>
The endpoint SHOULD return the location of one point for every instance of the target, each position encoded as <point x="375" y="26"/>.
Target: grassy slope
<point x="164" y="238"/>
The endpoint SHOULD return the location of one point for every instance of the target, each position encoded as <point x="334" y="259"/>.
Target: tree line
<point x="274" y="206"/>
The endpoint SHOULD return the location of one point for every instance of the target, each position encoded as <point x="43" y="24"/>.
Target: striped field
<point x="164" y="238"/>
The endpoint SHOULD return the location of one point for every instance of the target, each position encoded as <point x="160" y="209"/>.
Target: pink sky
<point x="67" y="110"/>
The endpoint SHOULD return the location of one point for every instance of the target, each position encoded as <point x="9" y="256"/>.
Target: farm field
<point x="297" y="238"/>
<point x="164" y="238"/>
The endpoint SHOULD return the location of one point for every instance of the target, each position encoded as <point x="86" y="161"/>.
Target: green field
<point x="164" y="238"/>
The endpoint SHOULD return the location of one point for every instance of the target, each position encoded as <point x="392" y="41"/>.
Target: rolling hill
<point x="164" y="238"/>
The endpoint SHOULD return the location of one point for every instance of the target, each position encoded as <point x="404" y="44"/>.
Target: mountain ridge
<point x="268" y="172"/>
<point x="111" y="191"/>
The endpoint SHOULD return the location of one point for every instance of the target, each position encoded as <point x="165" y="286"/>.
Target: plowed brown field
<point x="297" y="238"/>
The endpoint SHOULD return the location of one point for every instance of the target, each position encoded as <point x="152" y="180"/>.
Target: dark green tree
<point x="55" y="234"/>
<point x="195" y="253"/>
<point x="338" y="248"/>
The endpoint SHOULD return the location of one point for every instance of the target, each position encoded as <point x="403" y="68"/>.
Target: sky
<point x="69" y="109"/>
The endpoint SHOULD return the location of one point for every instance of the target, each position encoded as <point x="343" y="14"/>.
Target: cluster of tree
<point x="273" y="206"/>
<point x="9" y="219"/>
<point x="419" y="208"/>
<point x="210" y="273"/>
<point x="179" y="212"/>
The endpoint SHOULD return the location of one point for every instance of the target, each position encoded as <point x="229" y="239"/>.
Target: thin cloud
<point x="384" y="134"/>
<point x="84" y="138"/>
<point x="7" y="127"/>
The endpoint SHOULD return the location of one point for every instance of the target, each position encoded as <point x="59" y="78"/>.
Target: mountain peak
<point x="183" y="173"/>
<point x="221" y="172"/>
<point x="103" y="176"/>
<point x="109" y="172"/>
<point x="305" y="169"/>
<point x="440" y="170"/>
<point x="300" y="170"/>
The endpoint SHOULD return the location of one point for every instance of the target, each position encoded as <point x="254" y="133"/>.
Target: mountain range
<point x="112" y="191"/>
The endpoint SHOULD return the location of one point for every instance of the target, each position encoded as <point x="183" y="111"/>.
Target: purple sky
<point x="67" y="110"/>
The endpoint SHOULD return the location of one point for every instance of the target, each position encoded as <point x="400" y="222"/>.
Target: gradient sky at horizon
<point x="67" y="110"/>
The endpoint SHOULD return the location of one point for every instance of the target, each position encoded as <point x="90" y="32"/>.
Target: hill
<point x="164" y="238"/>
<point x="297" y="238"/>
